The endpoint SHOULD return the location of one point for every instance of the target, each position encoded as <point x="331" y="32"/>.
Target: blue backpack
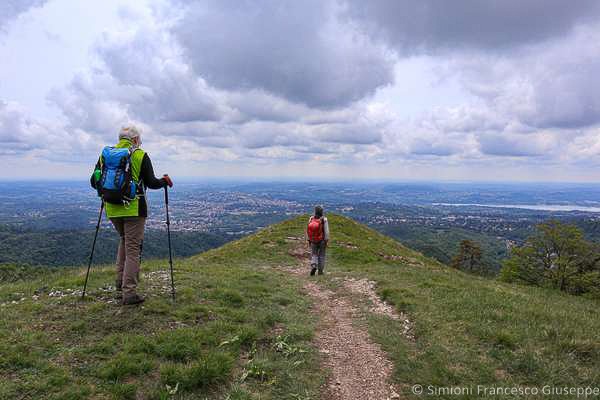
<point x="116" y="184"/>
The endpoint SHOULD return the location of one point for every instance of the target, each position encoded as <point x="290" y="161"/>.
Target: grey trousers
<point x="317" y="258"/>
<point x="131" y="231"/>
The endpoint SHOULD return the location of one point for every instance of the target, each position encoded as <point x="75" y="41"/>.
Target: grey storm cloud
<point x="10" y="9"/>
<point x="515" y="145"/>
<point x="260" y="105"/>
<point x="431" y="25"/>
<point x="568" y="96"/>
<point x="167" y="90"/>
<point x="295" y="49"/>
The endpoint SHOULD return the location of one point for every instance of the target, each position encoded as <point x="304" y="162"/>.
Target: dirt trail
<point x="359" y="368"/>
<point x="366" y="288"/>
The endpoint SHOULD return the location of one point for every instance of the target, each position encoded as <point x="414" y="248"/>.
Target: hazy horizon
<point x="323" y="180"/>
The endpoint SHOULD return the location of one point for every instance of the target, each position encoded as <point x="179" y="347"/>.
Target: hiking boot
<point x="313" y="270"/>
<point x="133" y="300"/>
<point x="321" y="272"/>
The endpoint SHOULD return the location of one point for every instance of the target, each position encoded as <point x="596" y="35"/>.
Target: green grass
<point x="219" y="340"/>
<point x="241" y="327"/>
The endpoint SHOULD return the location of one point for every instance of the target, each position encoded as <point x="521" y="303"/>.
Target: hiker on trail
<point x="317" y="233"/>
<point x="121" y="176"/>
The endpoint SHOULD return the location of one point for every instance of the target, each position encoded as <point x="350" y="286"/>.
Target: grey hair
<point x="129" y="132"/>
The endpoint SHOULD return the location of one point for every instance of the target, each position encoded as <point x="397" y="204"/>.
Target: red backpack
<point x="315" y="230"/>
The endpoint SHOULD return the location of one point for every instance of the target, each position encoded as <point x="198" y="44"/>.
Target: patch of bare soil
<point x="300" y="252"/>
<point x="359" y="368"/>
<point x="366" y="288"/>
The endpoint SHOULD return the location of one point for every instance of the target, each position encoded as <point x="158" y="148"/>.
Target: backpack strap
<point x="322" y="219"/>
<point x="141" y="190"/>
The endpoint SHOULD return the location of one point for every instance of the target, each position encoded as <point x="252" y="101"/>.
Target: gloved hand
<point x="168" y="180"/>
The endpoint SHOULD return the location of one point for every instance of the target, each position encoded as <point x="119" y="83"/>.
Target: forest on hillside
<point x="72" y="247"/>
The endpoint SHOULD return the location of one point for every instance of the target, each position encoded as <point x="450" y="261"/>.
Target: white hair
<point x="129" y="132"/>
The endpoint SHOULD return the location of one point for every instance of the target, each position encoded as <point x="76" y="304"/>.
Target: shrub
<point x="558" y="256"/>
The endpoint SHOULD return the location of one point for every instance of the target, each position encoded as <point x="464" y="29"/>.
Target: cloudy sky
<point x="416" y="89"/>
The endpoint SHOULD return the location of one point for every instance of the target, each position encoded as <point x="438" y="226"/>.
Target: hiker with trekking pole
<point x="121" y="176"/>
<point x="317" y="234"/>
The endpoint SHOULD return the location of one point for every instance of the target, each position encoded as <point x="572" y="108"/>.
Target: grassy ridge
<point x="239" y="330"/>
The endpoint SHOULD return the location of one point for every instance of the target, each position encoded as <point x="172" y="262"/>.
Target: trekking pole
<point x="141" y="250"/>
<point x="169" y="236"/>
<point x="93" y="247"/>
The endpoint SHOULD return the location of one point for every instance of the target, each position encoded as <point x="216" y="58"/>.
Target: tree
<point x="557" y="255"/>
<point x="468" y="257"/>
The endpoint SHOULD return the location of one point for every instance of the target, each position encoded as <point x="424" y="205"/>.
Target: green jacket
<point x="133" y="208"/>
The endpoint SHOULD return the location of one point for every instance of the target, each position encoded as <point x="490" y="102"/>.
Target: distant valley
<point x="51" y="223"/>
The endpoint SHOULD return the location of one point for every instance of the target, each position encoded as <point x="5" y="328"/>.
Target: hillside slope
<point x="243" y="326"/>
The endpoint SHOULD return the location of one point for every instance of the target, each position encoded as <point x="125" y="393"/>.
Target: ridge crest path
<point x="360" y="369"/>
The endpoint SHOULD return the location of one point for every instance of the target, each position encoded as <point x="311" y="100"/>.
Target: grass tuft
<point x="124" y="366"/>
<point x="124" y="391"/>
<point x="211" y="369"/>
